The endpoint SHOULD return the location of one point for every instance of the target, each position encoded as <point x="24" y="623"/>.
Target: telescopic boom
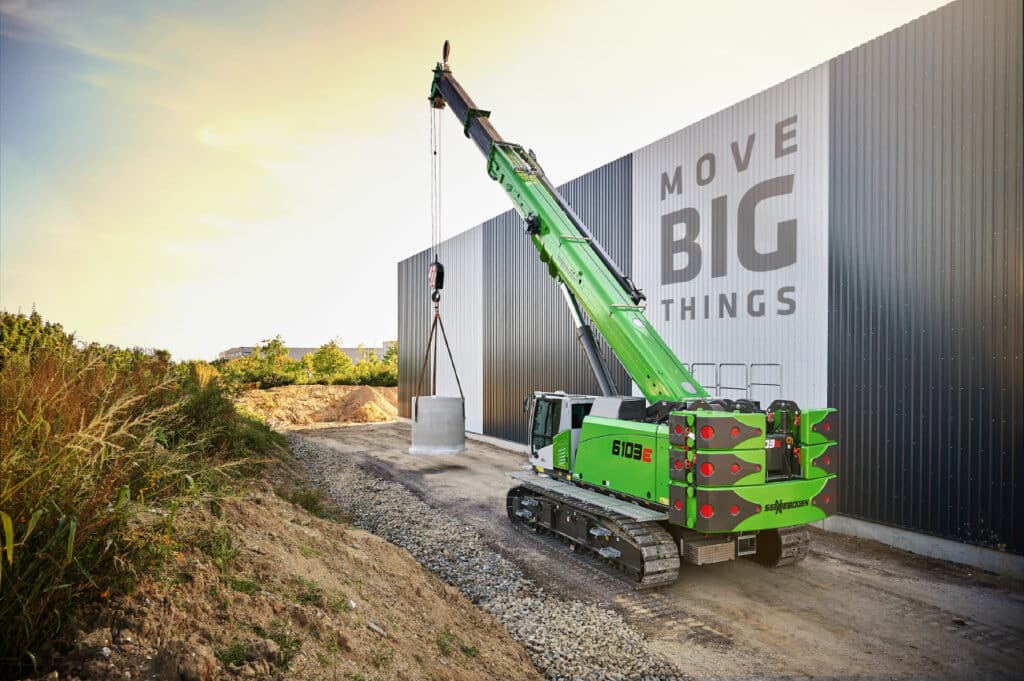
<point x="574" y="257"/>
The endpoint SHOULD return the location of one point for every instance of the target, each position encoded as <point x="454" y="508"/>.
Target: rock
<point x="180" y="661"/>
<point x="265" y="649"/>
<point x="96" y="639"/>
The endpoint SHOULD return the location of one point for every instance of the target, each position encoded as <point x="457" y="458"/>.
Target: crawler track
<point x="641" y="554"/>
<point x="778" y="548"/>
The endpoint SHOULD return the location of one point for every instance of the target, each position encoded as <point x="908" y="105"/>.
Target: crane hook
<point x="445" y="51"/>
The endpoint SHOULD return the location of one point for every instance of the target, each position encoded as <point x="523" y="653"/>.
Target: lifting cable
<point x="436" y="270"/>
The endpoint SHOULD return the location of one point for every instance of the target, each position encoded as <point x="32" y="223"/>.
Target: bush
<point x="90" y="437"/>
<point x="269" y="366"/>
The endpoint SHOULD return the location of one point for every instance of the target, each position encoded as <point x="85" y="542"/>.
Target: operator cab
<point x="555" y="422"/>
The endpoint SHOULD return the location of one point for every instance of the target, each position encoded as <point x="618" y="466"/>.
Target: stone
<point x="96" y="639"/>
<point x="266" y="649"/>
<point x="180" y="661"/>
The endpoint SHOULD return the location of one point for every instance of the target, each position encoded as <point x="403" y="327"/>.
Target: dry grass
<point x="91" y="440"/>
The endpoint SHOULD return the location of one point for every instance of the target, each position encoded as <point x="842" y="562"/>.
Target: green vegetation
<point x="220" y="548"/>
<point x="98" y="448"/>
<point x="308" y="592"/>
<point x="338" y="604"/>
<point x="382" y="658"/>
<point x="236" y="653"/>
<point x="280" y="634"/>
<point x="243" y="585"/>
<point x="448" y="641"/>
<point x="307" y="498"/>
<point x="307" y="550"/>
<point x="270" y="366"/>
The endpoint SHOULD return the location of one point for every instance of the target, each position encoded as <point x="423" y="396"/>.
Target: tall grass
<point x="90" y="438"/>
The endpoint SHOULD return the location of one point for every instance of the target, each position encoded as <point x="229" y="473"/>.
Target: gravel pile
<point x="566" y="640"/>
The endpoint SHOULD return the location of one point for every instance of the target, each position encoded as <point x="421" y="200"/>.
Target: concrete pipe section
<point x="438" y="425"/>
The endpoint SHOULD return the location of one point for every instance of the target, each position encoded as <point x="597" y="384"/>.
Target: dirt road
<point x="852" y="608"/>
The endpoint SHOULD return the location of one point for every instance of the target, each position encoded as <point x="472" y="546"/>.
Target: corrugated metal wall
<point x="925" y="281"/>
<point x="460" y="312"/>
<point x="529" y="342"/>
<point x="926" y="274"/>
<point x="413" y="325"/>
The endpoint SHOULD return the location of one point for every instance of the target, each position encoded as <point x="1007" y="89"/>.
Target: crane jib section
<point x="572" y="255"/>
<point x="572" y="259"/>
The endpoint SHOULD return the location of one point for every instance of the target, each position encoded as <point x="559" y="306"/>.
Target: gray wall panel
<point x="925" y="328"/>
<point x="529" y="342"/>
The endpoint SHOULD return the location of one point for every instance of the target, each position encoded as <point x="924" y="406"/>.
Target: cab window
<point x="547" y="416"/>
<point x="578" y="412"/>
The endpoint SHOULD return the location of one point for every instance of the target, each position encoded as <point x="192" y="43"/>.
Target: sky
<point x="195" y="176"/>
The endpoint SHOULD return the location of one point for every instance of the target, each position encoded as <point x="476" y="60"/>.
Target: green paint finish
<point x="561" y="447"/>
<point x="808" y="419"/>
<point x="659" y="374"/>
<point x="772" y="499"/>
<point x="620" y="456"/>
<point x="691" y="507"/>
<point x="661" y="459"/>
<point x="813" y="459"/>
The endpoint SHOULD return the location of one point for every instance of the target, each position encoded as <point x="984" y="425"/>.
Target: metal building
<point x="850" y="237"/>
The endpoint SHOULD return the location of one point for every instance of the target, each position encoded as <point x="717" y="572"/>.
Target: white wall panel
<point x="461" y="303"/>
<point x="730" y="241"/>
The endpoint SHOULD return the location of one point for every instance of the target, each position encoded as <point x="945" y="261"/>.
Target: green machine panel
<point x="618" y="455"/>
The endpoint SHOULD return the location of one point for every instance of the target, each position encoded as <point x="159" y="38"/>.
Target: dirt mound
<point x="305" y="405"/>
<point x="260" y="588"/>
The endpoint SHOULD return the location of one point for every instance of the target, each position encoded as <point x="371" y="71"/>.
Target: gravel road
<point x="853" y="609"/>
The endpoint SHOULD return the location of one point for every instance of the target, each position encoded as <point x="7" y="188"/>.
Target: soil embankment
<point x="314" y="405"/>
<point x="272" y="582"/>
<point x="261" y="588"/>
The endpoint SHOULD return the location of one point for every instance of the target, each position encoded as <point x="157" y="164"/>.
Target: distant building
<point x="355" y="354"/>
<point x="298" y="353"/>
<point x="235" y="353"/>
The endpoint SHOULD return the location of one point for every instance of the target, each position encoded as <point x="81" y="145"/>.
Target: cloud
<point x="80" y="27"/>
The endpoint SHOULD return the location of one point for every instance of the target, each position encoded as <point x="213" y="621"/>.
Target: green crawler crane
<point x="638" y="484"/>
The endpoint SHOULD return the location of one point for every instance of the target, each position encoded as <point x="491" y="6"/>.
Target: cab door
<point x="546" y="423"/>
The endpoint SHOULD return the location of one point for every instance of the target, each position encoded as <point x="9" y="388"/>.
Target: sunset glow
<point x="194" y="176"/>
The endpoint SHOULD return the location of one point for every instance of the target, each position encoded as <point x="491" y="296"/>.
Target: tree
<point x="270" y="364"/>
<point x="330" y="361"/>
<point x="272" y="349"/>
